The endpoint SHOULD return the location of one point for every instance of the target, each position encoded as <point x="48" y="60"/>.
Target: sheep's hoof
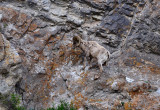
<point x="96" y="77"/>
<point x="83" y="68"/>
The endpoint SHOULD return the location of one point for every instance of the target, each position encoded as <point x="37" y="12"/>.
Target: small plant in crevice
<point x="15" y="102"/>
<point x="5" y="25"/>
<point x="63" y="106"/>
<point x="3" y="98"/>
<point x="11" y="101"/>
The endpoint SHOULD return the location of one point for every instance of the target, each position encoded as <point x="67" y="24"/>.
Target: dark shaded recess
<point x="110" y="5"/>
<point x="45" y="17"/>
<point x="127" y="10"/>
<point x="111" y="42"/>
<point x="115" y="23"/>
<point x="4" y="72"/>
<point x="129" y="2"/>
<point x="114" y="44"/>
<point x="31" y="3"/>
<point x="147" y="41"/>
<point x="100" y="6"/>
<point x="18" y="88"/>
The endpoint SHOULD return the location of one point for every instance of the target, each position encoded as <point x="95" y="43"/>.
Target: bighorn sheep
<point x="93" y="49"/>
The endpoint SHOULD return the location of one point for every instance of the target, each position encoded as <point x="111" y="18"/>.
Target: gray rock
<point x="59" y="11"/>
<point x="116" y="23"/>
<point x="75" y="19"/>
<point x="10" y="69"/>
<point x="32" y="3"/>
<point x="145" y="34"/>
<point x="2" y="107"/>
<point x="44" y="4"/>
<point x="127" y="10"/>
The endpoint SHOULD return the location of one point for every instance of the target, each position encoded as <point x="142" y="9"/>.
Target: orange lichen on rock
<point x="146" y="101"/>
<point x="127" y="106"/>
<point x="135" y="93"/>
<point x="143" y="65"/>
<point x="21" y="19"/>
<point x="79" y="100"/>
<point x="154" y="69"/>
<point x="61" y="91"/>
<point x="95" y="100"/>
<point x="81" y="81"/>
<point x="58" y="37"/>
<point x="10" y="15"/>
<point x="33" y="27"/>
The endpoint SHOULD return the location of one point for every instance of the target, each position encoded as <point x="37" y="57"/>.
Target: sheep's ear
<point x="76" y="40"/>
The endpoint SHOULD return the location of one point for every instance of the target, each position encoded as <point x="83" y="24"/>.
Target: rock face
<point x="11" y="68"/>
<point x="37" y="59"/>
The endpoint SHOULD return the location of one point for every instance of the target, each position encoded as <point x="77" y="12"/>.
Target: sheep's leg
<point x="101" y="70"/>
<point x="90" y="60"/>
<point x="84" y="62"/>
<point x="82" y="55"/>
<point x="85" y="58"/>
<point x="108" y="54"/>
<point x="106" y="63"/>
<point x="90" y="63"/>
<point x="100" y="66"/>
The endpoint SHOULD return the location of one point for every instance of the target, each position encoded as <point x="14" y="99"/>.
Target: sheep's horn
<point x="77" y="38"/>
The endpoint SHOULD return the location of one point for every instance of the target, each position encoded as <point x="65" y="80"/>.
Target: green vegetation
<point x="63" y="106"/>
<point x="12" y="102"/>
<point x="5" y="25"/>
<point x="15" y="102"/>
<point x="3" y="98"/>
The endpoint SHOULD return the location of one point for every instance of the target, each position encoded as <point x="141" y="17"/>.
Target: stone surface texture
<point x="38" y="62"/>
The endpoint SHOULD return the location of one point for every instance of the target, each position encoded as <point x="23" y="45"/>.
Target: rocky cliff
<point x="37" y="60"/>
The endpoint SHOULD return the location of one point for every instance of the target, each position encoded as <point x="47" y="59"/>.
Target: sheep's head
<point x="76" y="41"/>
